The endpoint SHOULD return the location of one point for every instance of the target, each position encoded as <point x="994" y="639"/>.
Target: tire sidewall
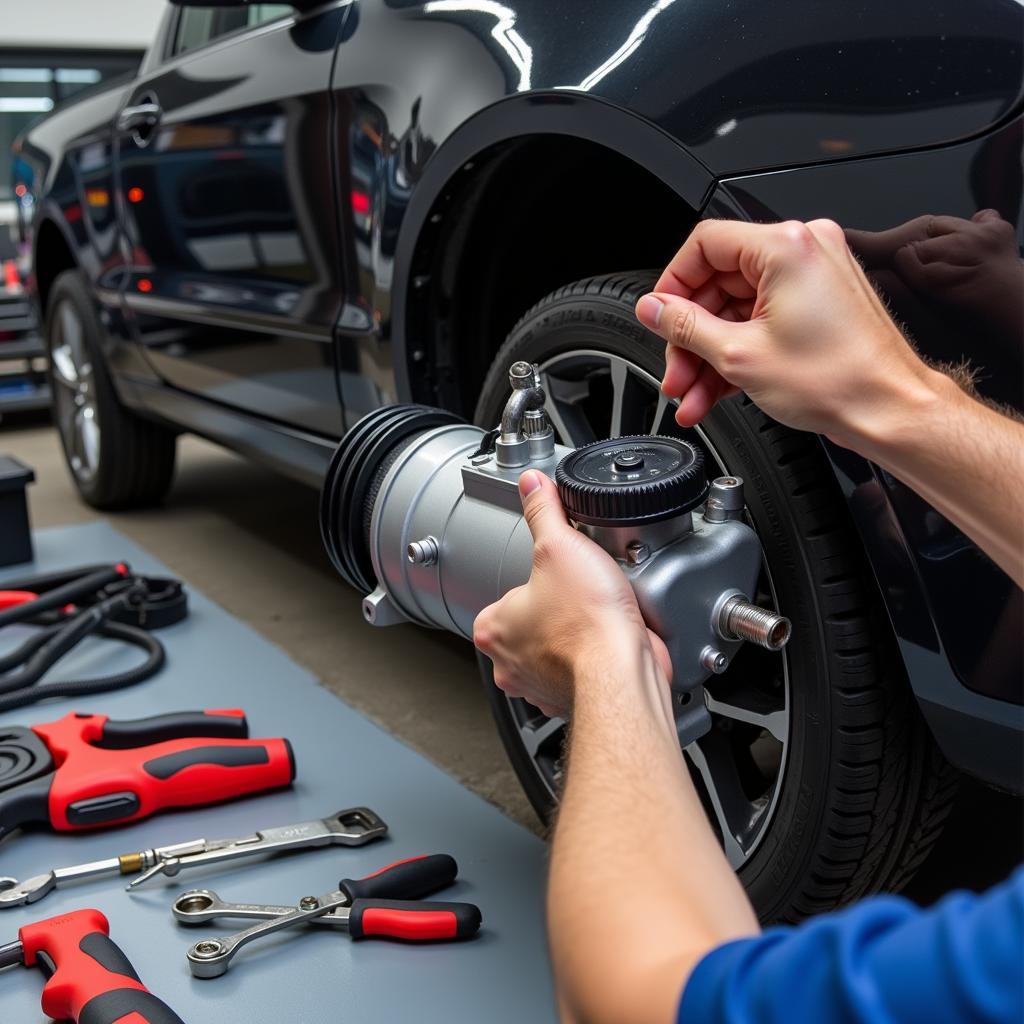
<point x="782" y="858"/>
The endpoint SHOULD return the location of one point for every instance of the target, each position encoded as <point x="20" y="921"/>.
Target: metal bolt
<point x="308" y="903"/>
<point x="741" y="620"/>
<point x="714" y="661"/>
<point x="422" y="552"/>
<point x="637" y="552"/>
<point x="208" y="947"/>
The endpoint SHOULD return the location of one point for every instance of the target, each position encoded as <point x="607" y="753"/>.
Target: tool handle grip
<point x="405" y="879"/>
<point x="138" y="732"/>
<point x="97" y="787"/>
<point x="127" y="1006"/>
<point x="91" y="980"/>
<point x="413" y="920"/>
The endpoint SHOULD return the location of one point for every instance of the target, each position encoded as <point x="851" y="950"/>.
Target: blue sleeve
<point x="883" y="961"/>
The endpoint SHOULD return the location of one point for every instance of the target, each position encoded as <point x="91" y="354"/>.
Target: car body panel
<point x="234" y="284"/>
<point x="962" y="654"/>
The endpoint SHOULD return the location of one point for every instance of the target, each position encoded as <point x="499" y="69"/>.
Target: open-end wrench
<point x="382" y="904"/>
<point x="353" y="827"/>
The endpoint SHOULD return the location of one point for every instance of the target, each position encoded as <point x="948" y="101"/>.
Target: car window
<point x="198" y="26"/>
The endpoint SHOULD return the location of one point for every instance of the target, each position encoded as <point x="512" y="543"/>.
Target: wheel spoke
<point x="90" y="434"/>
<point x="561" y="403"/>
<point x="731" y="808"/>
<point x="619" y="373"/>
<point x="64" y="372"/>
<point x="659" y="413"/>
<point x="776" y="723"/>
<point x="535" y="735"/>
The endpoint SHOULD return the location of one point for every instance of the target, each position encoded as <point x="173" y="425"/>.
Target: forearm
<point x="964" y="458"/>
<point x="639" y="888"/>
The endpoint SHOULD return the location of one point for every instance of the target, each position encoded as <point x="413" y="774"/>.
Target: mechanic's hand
<point x="784" y="313"/>
<point x="577" y="612"/>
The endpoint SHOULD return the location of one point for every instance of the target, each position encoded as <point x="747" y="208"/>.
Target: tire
<point x="116" y="459"/>
<point x="856" y="793"/>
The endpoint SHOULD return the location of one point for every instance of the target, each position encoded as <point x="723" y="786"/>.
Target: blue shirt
<point x="882" y="961"/>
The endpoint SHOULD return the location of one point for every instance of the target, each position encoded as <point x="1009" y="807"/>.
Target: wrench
<point x="352" y="827"/>
<point x="365" y="907"/>
<point x="199" y="906"/>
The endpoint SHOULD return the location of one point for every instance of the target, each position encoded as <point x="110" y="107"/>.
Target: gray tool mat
<point x="343" y="760"/>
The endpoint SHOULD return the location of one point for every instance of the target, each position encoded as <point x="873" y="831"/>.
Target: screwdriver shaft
<point x="11" y="953"/>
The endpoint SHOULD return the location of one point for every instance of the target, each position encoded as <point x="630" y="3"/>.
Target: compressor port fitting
<point x="738" y="619"/>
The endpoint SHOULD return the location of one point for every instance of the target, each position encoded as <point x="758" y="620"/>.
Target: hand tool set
<point x="90" y="980"/>
<point x="106" y="600"/>
<point x="386" y="904"/>
<point x="88" y="771"/>
<point x="353" y="827"/>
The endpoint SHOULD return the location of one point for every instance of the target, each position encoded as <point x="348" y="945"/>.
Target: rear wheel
<point x="818" y="774"/>
<point x="116" y="459"/>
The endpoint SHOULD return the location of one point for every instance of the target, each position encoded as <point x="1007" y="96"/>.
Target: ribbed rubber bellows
<point x="350" y="476"/>
<point x="628" y="480"/>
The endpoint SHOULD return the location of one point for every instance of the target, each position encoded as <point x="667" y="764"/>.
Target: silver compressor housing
<point x="421" y="512"/>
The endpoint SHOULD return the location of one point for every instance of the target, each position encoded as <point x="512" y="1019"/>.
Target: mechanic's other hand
<point x="577" y="611"/>
<point x="784" y="313"/>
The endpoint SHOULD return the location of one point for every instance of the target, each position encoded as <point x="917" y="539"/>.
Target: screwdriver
<point x="89" y="979"/>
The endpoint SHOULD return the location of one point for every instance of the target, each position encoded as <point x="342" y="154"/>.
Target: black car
<point x="297" y="213"/>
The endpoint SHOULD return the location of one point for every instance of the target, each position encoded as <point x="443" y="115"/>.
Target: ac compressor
<point x="421" y="512"/>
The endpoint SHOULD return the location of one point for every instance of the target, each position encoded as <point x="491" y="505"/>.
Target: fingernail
<point x="528" y="482"/>
<point x="648" y="310"/>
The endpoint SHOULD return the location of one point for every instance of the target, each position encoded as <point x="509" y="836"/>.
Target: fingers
<point x="701" y="397"/>
<point x="681" y="369"/>
<point x="688" y="326"/>
<point x="541" y="506"/>
<point x="714" y="247"/>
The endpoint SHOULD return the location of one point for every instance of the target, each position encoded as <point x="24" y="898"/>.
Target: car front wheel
<point x="818" y="774"/>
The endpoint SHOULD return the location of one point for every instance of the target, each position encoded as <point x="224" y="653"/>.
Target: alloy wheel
<point x="75" y="392"/>
<point x="739" y="765"/>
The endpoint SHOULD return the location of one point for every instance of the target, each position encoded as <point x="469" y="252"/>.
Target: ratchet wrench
<point x="386" y="904"/>
<point x="353" y="827"/>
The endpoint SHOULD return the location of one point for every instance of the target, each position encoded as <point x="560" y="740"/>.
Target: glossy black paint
<point x="346" y="207"/>
<point x="956" y="614"/>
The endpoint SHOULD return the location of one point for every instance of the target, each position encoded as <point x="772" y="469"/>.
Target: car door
<point x="228" y="211"/>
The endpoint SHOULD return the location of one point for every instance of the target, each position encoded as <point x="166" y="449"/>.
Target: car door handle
<point x="141" y="116"/>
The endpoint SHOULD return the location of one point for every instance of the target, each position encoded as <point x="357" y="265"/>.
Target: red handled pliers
<point x="88" y="771"/>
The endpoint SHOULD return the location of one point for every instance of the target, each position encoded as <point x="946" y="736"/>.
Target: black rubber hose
<point x="103" y="684"/>
<point x="62" y="595"/>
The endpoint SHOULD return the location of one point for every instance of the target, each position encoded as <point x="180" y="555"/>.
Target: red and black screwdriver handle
<point x="387" y="903"/>
<point x="90" y="980"/>
<point x="110" y="772"/>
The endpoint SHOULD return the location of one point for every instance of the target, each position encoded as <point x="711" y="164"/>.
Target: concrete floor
<point x="249" y="539"/>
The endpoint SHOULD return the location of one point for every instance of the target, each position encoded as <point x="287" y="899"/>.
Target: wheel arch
<point x="53" y="252"/>
<point x="460" y="252"/>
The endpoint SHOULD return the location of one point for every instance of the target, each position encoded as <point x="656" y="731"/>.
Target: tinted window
<point x="198" y="26"/>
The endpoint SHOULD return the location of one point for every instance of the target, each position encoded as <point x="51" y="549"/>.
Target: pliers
<point x="89" y="771"/>
<point x="386" y="904"/>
